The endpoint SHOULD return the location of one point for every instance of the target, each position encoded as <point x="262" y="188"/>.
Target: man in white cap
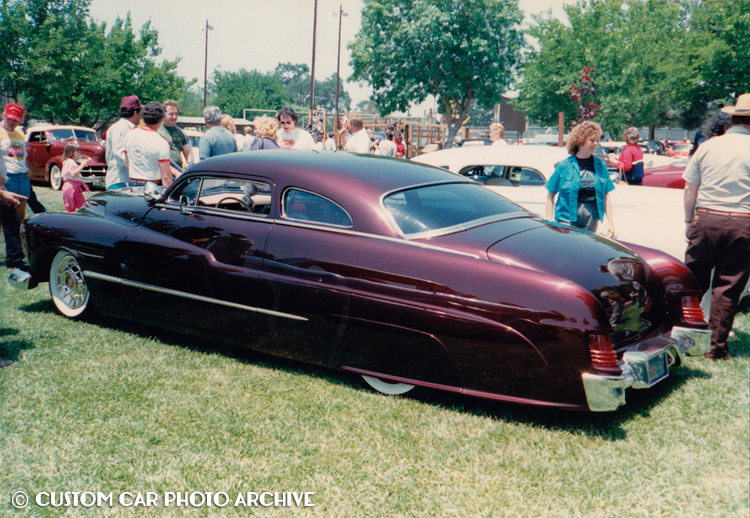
<point x="717" y="214"/>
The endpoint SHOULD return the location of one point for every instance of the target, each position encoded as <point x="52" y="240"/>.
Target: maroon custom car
<point x="405" y="274"/>
<point x="44" y="153"/>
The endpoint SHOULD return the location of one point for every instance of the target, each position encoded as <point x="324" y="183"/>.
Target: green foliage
<point x="65" y="68"/>
<point x="234" y="91"/>
<point x="296" y="79"/>
<point x="655" y="62"/>
<point x="457" y="50"/>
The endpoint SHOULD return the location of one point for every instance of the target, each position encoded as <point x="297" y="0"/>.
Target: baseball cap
<point x="14" y="112"/>
<point x="131" y="102"/>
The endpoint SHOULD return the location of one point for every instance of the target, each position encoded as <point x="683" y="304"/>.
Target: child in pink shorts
<point x="73" y="197"/>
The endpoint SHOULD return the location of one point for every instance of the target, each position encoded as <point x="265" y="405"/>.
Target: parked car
<point x="644" y="216"/>
<point x="405" y="274"/>
<point x="650" y="160"/>
<point x="44" y="149"/>
<point x="680" y="150"/>
<point x="669" y="176"/>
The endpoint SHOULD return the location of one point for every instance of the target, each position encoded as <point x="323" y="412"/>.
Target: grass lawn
<point x="111" y="407"/>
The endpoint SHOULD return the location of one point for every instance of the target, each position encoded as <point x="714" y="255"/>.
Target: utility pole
<point x="312" y="67"/>
<point x="205" y="64"/>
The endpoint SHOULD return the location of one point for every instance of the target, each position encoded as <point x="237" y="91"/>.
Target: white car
<point x="646" y="216"/>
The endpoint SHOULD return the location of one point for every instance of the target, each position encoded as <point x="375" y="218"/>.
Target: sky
<point x="256" y="34"/>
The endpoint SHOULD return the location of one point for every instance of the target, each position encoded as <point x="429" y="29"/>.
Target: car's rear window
<point x="446" y="207"/>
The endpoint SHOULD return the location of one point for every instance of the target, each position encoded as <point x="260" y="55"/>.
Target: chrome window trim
<point x="183" y="294"/>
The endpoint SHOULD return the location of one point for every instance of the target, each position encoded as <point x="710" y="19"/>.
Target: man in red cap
<point x="15" y="180"/>
<point x="117" y="169"/>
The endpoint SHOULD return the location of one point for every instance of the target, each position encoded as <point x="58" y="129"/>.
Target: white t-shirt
<point x="12" y="152"/>
<point x="358" y="142"/>
<point x="295" y="139"/>
<point x="386" y="148"/>
<point x="145" y="148"/>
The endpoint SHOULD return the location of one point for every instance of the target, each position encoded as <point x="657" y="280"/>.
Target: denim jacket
<point x="566" y="180"/>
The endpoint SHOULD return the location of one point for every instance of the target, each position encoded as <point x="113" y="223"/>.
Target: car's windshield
<point x="446" y="207"/>
<point x="60" y="134"/>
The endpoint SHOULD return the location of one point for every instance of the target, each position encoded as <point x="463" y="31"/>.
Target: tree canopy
<point x="654" y="62"/>
<point x="459" y="51"/>
<point x="65" y="68"/>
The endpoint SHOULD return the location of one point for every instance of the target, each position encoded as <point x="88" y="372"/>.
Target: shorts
<point x="19" y="183"/>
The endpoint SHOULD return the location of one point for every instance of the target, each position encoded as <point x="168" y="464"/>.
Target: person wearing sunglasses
<point x="289" y="135"/>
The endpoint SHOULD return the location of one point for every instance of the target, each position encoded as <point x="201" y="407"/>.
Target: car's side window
<point x="186" y="193"/>
<point x="482" y="172"/>
<point x="226" y="194"/>
<point x="235" y="195"/>
<point x="36" y="136"/>
<point x="523" y="176"/>
<point x="306" y="206"/>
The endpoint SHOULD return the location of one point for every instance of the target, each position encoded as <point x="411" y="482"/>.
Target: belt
<point x="702" y="210"/>
<point x="137" y="181"/>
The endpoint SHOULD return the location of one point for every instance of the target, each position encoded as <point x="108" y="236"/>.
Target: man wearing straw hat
<point x="717" y="214"/>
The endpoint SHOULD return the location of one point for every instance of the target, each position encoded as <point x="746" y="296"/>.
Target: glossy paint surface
<point x="499" y="308"/>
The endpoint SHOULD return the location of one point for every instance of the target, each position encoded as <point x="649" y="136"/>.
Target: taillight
<point x="691" y="310"/>
<point x="603" y="355"/>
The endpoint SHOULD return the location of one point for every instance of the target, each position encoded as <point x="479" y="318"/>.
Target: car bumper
<point x="644" y="366"/>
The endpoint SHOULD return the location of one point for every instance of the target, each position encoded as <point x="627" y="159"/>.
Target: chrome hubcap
<point x="71" y="287"/>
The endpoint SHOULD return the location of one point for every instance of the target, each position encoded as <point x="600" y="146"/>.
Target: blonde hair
<point x="265" y="127"/>
<point x="228" y="122"/>
<point x="70" y="149"/>
<point x="497" y="128"/>
<point x="581" y="134"/>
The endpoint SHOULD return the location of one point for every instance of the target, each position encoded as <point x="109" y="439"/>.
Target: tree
<point x="66" y="68"/>
<point x="234" y="91"/>
<point x="717" y="58"/>
<point x="325" y="95"/>
<point x="655" y="62"/>
<point x="460" y="51"/>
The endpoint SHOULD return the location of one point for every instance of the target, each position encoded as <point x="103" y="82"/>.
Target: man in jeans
<point x="13" y="178"/>
<point x="717" y="214"/>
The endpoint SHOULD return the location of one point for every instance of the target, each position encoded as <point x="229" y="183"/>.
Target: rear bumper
<point x="644" y="366"/>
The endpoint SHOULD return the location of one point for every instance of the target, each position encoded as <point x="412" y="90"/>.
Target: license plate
<point x="657" y="368"/>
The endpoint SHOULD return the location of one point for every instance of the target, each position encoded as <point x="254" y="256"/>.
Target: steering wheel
<point x="242" y="202"/>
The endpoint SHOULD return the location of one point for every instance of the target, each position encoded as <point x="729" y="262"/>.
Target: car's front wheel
<point x="67" y="285"/>
<point x="55" y="177"/>
<point x="387" y="387"/>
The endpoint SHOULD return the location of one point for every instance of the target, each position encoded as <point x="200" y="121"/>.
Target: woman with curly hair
<point x="583" y="184"/>
<point x="265" y="133"/>
<point x="631" y="159"/>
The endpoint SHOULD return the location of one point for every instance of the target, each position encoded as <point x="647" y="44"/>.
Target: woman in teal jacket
<point x="582" y="182"/>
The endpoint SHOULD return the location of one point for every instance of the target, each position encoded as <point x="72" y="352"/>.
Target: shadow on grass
<point x="11" y="347"/>
<point x="607" y="426"/>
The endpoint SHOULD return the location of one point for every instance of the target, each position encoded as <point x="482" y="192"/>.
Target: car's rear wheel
<point x="67" y="285"/>
<point x="390" y="388"/>
<point x="55" y="177"/>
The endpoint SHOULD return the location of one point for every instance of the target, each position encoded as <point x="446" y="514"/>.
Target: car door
<point x="201" y="249"/>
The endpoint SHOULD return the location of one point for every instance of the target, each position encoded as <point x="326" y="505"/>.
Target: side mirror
<point x="185" y="206"/>
<point x="152" y="192"/>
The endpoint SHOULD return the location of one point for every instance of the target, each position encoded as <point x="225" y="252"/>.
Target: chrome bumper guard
<point x="20" y="279"/>
<point x="644" y="368"/>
